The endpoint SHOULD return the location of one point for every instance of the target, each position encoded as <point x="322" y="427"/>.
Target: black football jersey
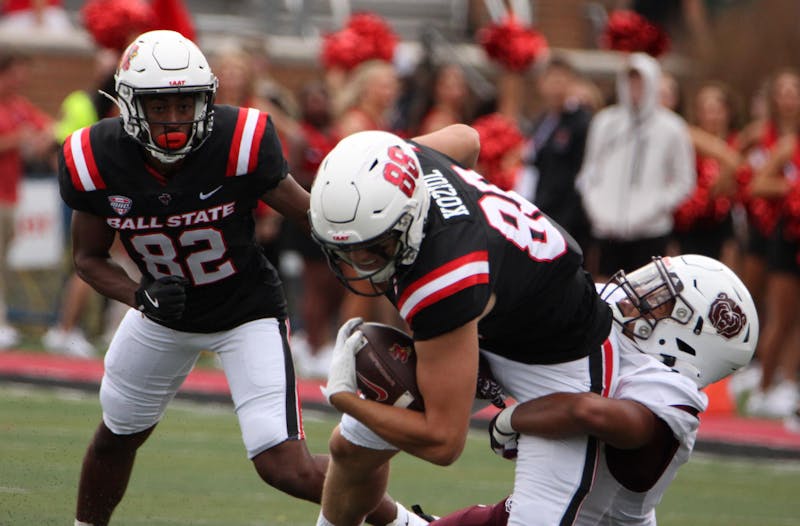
<point x="480" y="240"/>
<point x="198" y="223"/>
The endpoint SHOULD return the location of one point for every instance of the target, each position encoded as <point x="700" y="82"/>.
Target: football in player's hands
<point x="386" y="367"/>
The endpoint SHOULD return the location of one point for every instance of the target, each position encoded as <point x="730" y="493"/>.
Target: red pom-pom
<point x="114" y="23"/>
<point x="511" y="44"/>
<point x="500" y="137"/>
<point x="765" y="214"/>
<point x="174" y="15"/>
<point x="629" y="31"/>
<point x="365" y="37"/>
<point x="701" y="208"/>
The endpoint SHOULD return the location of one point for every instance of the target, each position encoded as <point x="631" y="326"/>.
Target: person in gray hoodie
<point x="638" y="167"/>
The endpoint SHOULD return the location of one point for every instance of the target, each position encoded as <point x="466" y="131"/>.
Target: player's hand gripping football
<point x="502" y="437"/>
<point x="342" y="372"/>
<point x="163" y="299"/>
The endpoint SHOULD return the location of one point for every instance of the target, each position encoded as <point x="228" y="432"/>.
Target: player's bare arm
<point x="291" y="201"/>
<point x="446" y="370"/>
<point x="624" y="424"/>
<point x="458" y="141"/>
<point x="91" y="243"/>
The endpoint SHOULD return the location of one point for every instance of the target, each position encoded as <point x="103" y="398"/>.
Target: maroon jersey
<point x="198" y="223"/>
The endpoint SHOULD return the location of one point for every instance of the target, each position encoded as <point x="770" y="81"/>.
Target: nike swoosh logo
<point x="381" y="394"/>
<point x="204" y="196"/>
<point x="151" y="300"/>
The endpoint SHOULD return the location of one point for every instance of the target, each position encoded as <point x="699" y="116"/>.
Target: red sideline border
<point x="719" y="433"/>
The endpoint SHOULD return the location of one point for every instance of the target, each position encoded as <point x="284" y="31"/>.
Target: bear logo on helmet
<point x="726" y="316"/>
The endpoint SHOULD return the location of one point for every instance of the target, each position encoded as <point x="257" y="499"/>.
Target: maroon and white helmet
<point x="690" y="312"/>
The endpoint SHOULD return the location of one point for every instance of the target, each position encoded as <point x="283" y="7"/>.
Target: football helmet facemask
<point x="690" y="312"/>
<point x="165" y="62"/>
<point x="368" y="208"/>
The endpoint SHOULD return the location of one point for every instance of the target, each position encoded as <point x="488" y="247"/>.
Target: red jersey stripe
<point x="258" y="134"/>
<point x="80" y="162"/>
<point x="449" y="290"/>
<point x="236" y="142"/>
<point x="478" y="255"/>
<point x="69" y="160"/>
<point x="608" y="367"/>
<point x="88" y="155"/>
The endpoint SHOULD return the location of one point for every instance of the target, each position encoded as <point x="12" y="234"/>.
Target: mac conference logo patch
<point x="120" y="204"/>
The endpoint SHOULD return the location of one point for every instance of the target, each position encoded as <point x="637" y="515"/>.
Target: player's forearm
<point x="290" y="200"/>
<point x="621" y="423"/>
<point x="107" y="277"/>
<point x="551" y="416"/>
<point x="427" y="438"/>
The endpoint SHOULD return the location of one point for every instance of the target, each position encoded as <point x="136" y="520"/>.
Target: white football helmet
<point x="690" y="312"/>
<point x="159" y="62"/>
<point x="369" y="198"/>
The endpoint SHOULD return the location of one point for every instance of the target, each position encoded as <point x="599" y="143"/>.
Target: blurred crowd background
<point x="642" y="126"/>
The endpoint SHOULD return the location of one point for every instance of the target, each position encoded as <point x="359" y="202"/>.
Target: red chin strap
<point x="172" y="140"/>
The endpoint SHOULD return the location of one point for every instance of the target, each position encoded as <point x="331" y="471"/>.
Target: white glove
<point x="502" y="437"/>
<point x="342" y="371"/>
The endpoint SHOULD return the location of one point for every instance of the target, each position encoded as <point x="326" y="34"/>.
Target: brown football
<point x="386" y="367"/>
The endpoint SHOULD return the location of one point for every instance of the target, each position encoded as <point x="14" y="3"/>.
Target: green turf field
<point x="194" y="471"/>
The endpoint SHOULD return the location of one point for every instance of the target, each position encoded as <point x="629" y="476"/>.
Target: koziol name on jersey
<point x="445" y="195"/>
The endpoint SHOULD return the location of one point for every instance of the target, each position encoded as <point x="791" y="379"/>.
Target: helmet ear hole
<point x="685" y="347"/>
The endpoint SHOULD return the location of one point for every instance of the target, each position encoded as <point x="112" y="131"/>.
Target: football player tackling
<point x="687" y="314"/>
<point x="177" y="179"/>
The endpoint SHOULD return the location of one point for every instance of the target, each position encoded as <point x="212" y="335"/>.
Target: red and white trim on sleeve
<point x="247" y="135"/>
<point x="609" y="366"/>
<point x="454" y="276"/>
<point x="80" y="162"/>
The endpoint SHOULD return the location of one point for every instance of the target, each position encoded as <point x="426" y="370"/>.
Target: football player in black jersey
<point x="177" y="179"/>
<point x="471" y="268"/>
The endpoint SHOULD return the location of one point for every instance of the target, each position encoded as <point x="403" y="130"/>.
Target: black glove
<point x="487" y="387"/>
<point x="163" y="299"/>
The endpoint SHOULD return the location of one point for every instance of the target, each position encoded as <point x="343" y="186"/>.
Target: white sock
<point x="79" y="523"/>
<point x="321" y="521"/>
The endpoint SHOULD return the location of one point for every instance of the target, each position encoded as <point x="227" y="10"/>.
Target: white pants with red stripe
<point x="553" y="477"/>
<point x="146" y="363"/>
